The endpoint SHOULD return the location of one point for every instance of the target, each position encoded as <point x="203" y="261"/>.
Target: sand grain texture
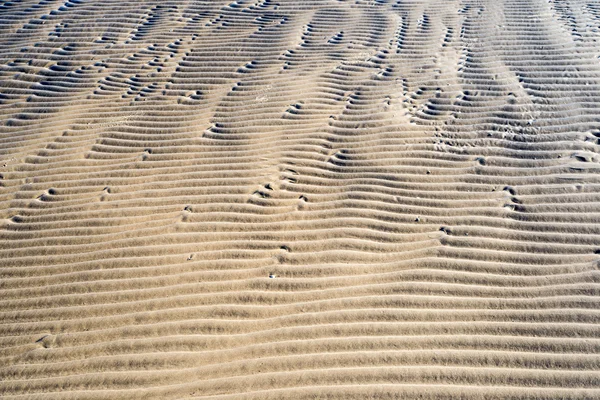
<point x="300" y="199"/>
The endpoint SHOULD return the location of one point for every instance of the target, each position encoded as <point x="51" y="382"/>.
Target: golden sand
<point x="300" y="199"/>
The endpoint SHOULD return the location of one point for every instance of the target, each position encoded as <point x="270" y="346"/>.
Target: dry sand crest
<point x="266" y="199"/>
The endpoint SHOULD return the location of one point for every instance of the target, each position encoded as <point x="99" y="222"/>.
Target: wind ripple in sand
<point x="299" y="199"/>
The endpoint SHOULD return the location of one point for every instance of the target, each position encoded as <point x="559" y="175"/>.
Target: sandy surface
<point x="299" y="199"/>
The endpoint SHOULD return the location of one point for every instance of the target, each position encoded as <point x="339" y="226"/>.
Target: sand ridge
<point x="262" y="199"/>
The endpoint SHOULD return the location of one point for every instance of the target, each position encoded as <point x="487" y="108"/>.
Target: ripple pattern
<point x="300" y="199"/>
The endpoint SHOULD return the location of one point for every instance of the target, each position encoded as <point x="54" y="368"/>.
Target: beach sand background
<point x="299" y="199"/>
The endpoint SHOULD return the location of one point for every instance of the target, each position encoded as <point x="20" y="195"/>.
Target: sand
<point x="300" y="199"/>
